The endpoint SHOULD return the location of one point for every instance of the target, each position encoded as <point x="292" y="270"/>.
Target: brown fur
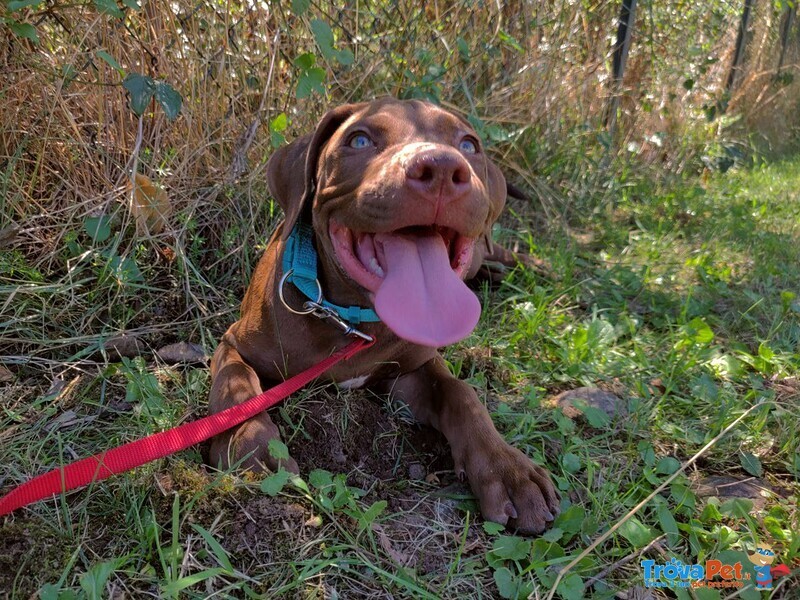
<point x="319" y="177"/>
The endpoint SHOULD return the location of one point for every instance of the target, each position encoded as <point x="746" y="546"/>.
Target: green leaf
<point x="125" y="269"/>
<point x="111" y="61"/>
<point x="493" y="528"/>
<point x="311" y="81"/>
<point x="216" y="548"/>
<point x="278" y="450"/>
<point x="647" y="452"/>
<point x="49" y="591"/>
<point x="596" y="417"/>
<point x="94" y="580"/>
<point x="109" y="7"/>
<point x="132" y="4"/>
<point x="323" y="36"/>
<point x="698" y="331"/>
<point x="345" y="57"/>
<point x="706" y="593"/>
<point x="273" y="484"/>
<point x="300" y="6"/>
<point x="169" y="99"/>
<point x="667" y="465"/>
<point x="463" y="49"/>
<point x="571" y="587"/>
<point x="668" y="524"/>
<point x="16" y="5"/>
<point x="751" y="464"/>
<point x="511" y="547"/>
<point x="507" y="584"/>
<point x="637" y="533"/>
<point x="305" y="61"/>
<point x="24" y="30"/>
<point x="571" y="462"/>
<point x="737" y="508"/>
<point x="173" y="587"/>
<point x="279" y="123"/>
<point x="98" y="228"/>
<point x="570" y="520"/>
<point x="553" y="535"/>
<point x="320" y="478"/>
<point x="373" y="512"/>
<point x="141" y="89"/>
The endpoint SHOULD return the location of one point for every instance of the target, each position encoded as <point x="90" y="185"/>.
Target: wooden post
<point x="627" y="18"/>
<point x="786" y="30"/>
<point x="741" y="43"/>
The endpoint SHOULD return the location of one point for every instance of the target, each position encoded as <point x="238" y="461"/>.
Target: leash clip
<point x="325" y="313"/>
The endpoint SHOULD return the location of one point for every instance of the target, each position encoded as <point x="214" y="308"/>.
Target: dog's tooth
<point x="376" y="268"/>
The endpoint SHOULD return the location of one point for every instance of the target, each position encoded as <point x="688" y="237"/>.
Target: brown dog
<point x="401" y="199"/>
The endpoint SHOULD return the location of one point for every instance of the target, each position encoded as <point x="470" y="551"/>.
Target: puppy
<point x="394" y="202"/>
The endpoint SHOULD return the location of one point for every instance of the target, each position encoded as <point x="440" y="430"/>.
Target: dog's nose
<point x="439" y="174"/>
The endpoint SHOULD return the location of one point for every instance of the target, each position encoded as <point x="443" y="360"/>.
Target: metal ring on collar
<point x="286" y="304"/>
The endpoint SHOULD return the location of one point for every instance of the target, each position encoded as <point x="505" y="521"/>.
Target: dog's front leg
<point x="233" y="382"/>
<point x="511" y="489"/>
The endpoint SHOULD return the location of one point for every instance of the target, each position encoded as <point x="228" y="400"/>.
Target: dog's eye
<point x="468" y="146"/>
<point x="360" y="140"/>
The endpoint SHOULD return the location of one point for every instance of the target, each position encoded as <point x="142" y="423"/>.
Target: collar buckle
<point x="324" y="313"/>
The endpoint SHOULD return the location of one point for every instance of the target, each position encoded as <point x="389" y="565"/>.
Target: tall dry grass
<point x="534" y="75"/>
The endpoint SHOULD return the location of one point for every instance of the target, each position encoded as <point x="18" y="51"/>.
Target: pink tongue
<point x="421" y="299"/>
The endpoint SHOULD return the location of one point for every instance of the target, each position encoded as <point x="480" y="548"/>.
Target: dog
<point x="396" y="199"/>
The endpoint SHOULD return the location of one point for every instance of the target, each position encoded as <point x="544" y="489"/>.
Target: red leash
<point x="135" y="454"/>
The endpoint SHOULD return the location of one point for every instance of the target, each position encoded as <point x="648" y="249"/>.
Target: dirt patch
<point x="356" y="433"/>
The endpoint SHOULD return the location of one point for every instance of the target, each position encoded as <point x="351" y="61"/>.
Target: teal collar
<point x="300" y="268"/>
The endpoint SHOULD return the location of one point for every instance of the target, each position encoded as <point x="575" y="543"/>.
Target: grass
<point x="675" y="291"/>
<point x="679" y="296"/>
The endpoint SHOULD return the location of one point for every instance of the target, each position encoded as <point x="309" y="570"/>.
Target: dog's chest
<point x="354" y="383"/>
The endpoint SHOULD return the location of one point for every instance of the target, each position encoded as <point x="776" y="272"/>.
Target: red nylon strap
<point x="135" y="454"/>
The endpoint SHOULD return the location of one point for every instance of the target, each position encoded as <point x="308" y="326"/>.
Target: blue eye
<point x="468" y="146"/>
<point x="360" y="140"/>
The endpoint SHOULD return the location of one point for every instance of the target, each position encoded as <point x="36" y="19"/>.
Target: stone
<point x="128" y="346"/>
<point x="416" y="471"/>
<point x="182" y="352"/>
<point x="571" y="401"/>
<point x="726" y="487"/>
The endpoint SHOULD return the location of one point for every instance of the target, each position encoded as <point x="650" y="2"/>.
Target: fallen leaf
<point x="149" y="204"/>
<point x="5" y="375"/>
<point x="400" y="558"/>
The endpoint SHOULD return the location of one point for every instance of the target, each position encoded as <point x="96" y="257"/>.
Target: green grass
<point x="681" y="297"/>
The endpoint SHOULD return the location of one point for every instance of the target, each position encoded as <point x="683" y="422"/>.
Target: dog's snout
<point x="439" y="174"/>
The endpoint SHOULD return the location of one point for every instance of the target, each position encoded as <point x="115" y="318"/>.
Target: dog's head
<point x="400" y="193"/>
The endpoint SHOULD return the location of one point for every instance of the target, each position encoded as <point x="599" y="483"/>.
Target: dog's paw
<point x="247" y="446"/>
<point x="511" y="489"/>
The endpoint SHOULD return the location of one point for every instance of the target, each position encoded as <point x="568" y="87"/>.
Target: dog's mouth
<point x="363" y="255"/>
<point x="414" y="277"/>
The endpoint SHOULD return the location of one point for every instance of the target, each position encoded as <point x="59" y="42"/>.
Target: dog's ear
<point x="292" y="169"/>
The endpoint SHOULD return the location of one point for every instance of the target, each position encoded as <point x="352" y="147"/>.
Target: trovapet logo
<point x="675" y="574"/>
<point x="715" y="573"/>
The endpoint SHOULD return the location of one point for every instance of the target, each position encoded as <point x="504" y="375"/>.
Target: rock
<point x="128" y="346"/>
<point x="182" y="352"/>
<point x="416" y="471"/>
<point x="725" y="487"/>
<point x="570" y="402"/>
